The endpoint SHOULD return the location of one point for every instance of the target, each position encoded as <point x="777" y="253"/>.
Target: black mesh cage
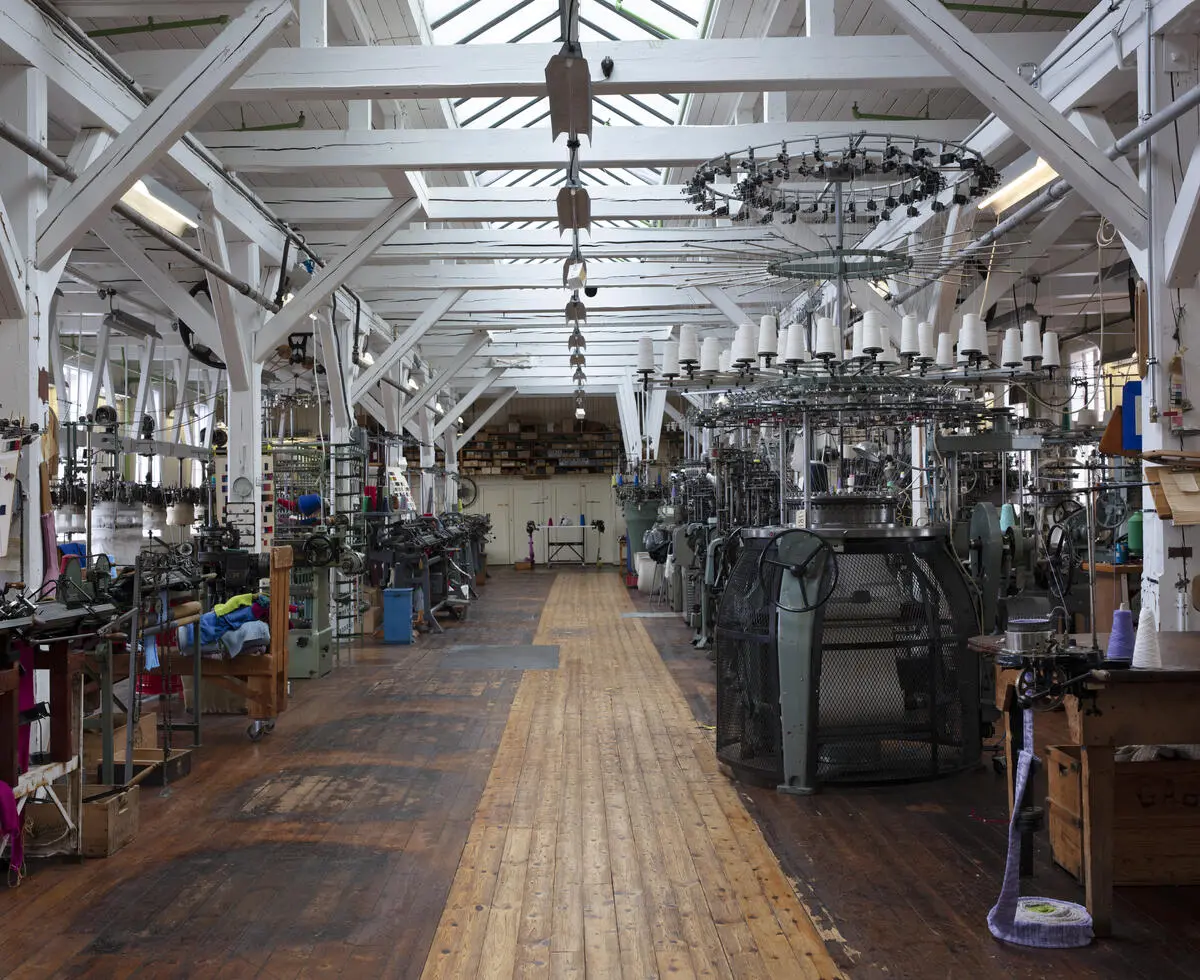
<point x="897" y="691"/>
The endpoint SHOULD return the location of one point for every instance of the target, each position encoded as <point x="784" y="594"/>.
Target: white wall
<point x="513" y="501"/>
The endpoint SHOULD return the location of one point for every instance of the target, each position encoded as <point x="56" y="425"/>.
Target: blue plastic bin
<point x="397" y="615"/>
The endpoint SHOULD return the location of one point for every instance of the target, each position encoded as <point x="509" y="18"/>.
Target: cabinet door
<point x="496" y="499"/>
<point x="533" y="500"/>
<point x="568" y="500"/>
<point x="600" y="503"/>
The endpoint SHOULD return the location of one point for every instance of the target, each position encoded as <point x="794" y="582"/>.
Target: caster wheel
<point x="255" y="731"/>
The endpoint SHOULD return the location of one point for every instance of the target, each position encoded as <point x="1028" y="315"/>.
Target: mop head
<point x="1047" y="923"/>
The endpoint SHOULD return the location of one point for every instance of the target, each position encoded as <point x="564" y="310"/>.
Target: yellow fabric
<point x="225" y="608"/>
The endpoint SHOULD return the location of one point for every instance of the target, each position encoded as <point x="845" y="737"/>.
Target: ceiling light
<point x="459" y="420"/>
<point x="437" y="407"/>
<point x="366" y="358"/>
<point x="412" y="384"/>
<point x="581" y="412"/>
<point x="881" y="289"/>
<point x="1019" y="188"/>
<point x="151" y="204"/>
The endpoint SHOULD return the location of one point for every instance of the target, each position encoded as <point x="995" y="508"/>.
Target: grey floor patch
<point x="653" y="615"/>
<point x="524" y="657"/>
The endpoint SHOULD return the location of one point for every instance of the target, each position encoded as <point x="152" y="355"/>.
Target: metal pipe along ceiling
<point x="51" y="162"/>
<point x="1185" y="103"/>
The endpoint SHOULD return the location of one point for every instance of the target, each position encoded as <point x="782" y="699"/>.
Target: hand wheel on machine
<point x="815" y="567"/>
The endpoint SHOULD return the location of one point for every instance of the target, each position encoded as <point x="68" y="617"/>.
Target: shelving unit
<point x="532" y="451"/>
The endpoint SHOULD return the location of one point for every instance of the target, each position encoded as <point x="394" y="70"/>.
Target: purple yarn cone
<point x="1120" y="641"/>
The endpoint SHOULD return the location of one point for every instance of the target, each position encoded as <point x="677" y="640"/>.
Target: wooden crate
<point x="110" y="819"/>
<point x="1156" y="823"/>
<point x="145" y="736"/>
<point x="148" y="766"/>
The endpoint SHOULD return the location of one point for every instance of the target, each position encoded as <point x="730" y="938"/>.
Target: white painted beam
<point x="32" y="37"/>
<point x="656" y="405"/>
<point x="488" y="244"/>
<point x="819" y="20"/>
<point x="467" y="400"/>
<point x="509" y="149"/>
<point x="516" y="303"/>
<point x="124" y="9"/>
<point x="1027" y="113"/>
<point x="337" y="373"/>
<point x="502" y="398"/>
<point x="721" y="299"/>
<point x="159" y="282"/>
<point x="431" y="312"/>
<point x="156" y="128"/>
<point x="393" y="279"/>
<point x="145" y="386"/>
<point x="1181" y="243"/>
<point x="12" y="270"/>
<point x="99" y="368"/>
<point x="456" y="364"/>
<point x="333" y="274"/>
<point x="416" y="71"/>
<point x="211" y="234"/>
<point x="631" y="422"/>
<point x="314" y="24"/>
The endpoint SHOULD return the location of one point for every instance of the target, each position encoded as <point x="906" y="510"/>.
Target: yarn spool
<point x="1146" y="654"/>
<point x="1120" y="641"/>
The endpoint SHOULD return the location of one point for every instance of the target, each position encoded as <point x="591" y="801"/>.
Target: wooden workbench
<point x="1115" y="708"/>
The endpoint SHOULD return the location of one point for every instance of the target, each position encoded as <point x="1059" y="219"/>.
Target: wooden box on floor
<point x="148" y="766"/>
<point x="145" y="736"/>
<point x="110" y="820"/>
<point x="1156" y="825"/>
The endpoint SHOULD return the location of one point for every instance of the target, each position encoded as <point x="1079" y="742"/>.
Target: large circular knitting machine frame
<point x="854" y="175"/>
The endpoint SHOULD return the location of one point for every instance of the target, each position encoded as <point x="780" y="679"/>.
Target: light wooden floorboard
<point x="606" y="844"/>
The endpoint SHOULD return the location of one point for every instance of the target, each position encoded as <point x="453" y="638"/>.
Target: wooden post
<point x="1098" y="784"/>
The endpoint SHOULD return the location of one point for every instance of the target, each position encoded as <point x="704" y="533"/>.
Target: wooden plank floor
<point x="606" y="844"/>
<point x="327" y="849"/>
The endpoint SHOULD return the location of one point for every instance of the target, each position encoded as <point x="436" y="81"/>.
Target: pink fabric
<point x="25" y="701"/>
<point x="10" y="824"/>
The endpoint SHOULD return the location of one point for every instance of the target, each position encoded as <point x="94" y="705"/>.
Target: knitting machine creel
<point x="842" y="656"/>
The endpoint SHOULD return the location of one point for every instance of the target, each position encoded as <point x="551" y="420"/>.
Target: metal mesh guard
<point x="897" y="692"/>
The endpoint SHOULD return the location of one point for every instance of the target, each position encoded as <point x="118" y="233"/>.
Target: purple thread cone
<point x="1120" y="642"/>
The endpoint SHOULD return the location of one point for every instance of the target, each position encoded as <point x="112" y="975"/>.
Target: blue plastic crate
<point x="397" y="615"/>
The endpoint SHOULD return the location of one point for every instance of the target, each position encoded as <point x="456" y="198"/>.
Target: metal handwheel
<point x="818" y="561"/>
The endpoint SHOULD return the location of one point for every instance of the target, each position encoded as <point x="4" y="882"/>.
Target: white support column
<point x="182" y="368"/>
<point x="99" y="366"/>
<point x="314" y="23"/>
<point x="1027" y="113"/>
<point x="428" y="458"/>
<point x="819" y="18"/>
<point x="655" y="408"/>
<point x="467" y="400"/>
<point x="144" y="388"/>
<point x="1181" y="254"/>
<point x="243" y="412"/>
<point x="450" y="484"/>
<point x="1164" y="585"/>
<point x="405" y="342"/>
<point x="456" y="364"/>
<point x="157" y="128"/>
<point x="631" y="423"/>
<point x="212" y="243"/>
<point x="502" y="398"/>
<point x="335" y="272"/>
<point x="775" y="107"/>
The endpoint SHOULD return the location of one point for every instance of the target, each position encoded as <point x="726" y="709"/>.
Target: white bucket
<point x="647" y="573"/>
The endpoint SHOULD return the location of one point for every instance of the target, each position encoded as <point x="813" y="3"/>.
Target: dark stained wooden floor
<point x="329" y="848"/>
<point x="901" y="878"/>
<point x="326" y="849"/>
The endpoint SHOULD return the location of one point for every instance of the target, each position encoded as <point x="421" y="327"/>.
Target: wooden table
<point x="1114" y="708"/>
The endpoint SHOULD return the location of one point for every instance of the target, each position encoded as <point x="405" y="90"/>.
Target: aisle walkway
<point x="606" y="844"/>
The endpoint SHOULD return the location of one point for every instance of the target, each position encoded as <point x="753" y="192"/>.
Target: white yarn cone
<point x="1145" y="644"/>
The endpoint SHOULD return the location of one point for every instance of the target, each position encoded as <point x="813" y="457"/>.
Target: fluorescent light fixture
<point x="881" y="289"/>
<point x="1020" y="187"/>
<point x="150" y="203"/>
<point x="366" y="358"/>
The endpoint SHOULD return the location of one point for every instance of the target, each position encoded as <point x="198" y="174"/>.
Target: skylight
<point x="530" y="21"/>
